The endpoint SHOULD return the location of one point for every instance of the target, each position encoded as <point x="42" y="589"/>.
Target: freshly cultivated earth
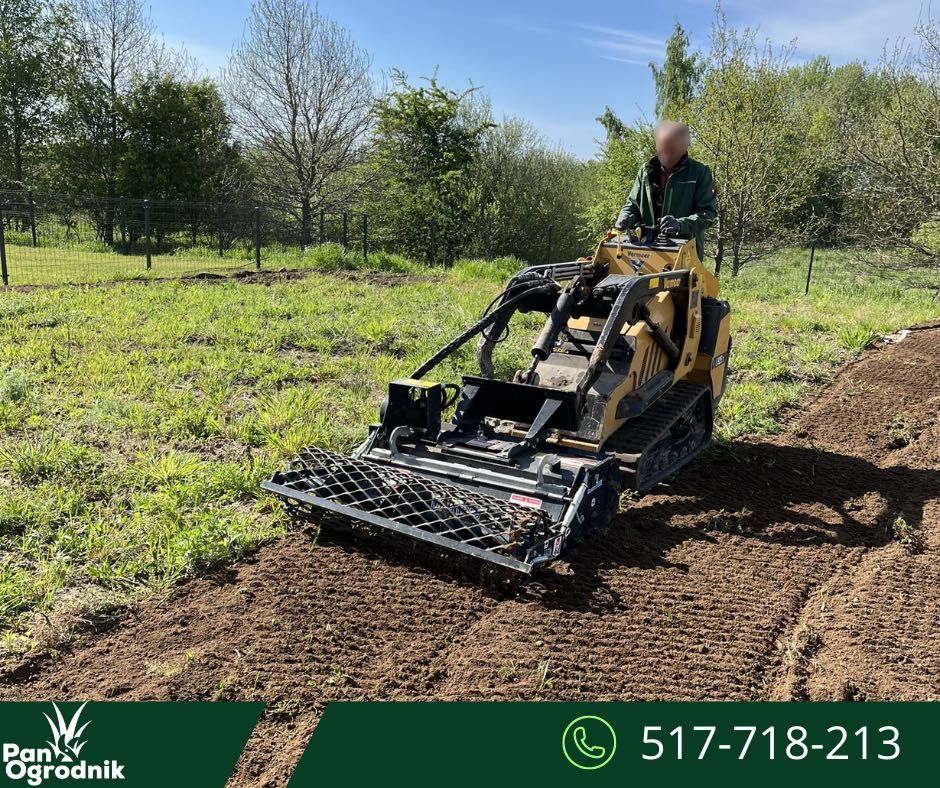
<point x="803" y="566"/>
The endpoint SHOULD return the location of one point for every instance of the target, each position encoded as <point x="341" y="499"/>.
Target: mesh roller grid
<point x="447" y="510"/>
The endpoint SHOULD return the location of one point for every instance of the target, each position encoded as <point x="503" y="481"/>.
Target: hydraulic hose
<point x="537" y="287"/>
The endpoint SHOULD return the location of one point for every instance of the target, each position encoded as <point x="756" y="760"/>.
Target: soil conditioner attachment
<point x="625" y="377"/>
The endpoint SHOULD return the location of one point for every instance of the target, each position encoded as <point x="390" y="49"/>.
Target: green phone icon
<point x="589" y="742"/>
<point x="580" y="741"/>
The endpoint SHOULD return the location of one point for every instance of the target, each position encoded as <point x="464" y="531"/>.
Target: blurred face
<point x="670" y="144"/>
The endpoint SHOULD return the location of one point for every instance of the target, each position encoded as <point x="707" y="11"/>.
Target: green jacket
<point x="689" y="196"/>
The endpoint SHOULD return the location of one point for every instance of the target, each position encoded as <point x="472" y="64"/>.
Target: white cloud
<point x="624" y="43"/>
<point x="625" y="35"/>
<point x="631" y="61"/>
<point x="609" y="43"/>
<point x="841" y="29"/>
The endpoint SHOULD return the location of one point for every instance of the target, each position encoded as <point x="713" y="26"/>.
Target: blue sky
<point x="554" y="63"/>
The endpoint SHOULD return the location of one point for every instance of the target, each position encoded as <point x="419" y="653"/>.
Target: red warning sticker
<point x="525" y="500"/>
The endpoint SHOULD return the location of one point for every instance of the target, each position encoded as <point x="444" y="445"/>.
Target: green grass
<point x="785" y="342"/>
<point x="137" y="421"/>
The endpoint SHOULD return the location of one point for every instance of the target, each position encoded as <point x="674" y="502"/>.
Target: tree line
<point x="93" y="102"/>
<point x="801" y="152"/>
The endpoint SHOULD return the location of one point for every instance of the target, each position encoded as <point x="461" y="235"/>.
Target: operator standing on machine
<point x="672" y="191"/>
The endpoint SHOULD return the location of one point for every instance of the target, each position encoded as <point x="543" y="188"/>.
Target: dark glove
<point x="623" y="223"/>
<point x="669" y="225"/>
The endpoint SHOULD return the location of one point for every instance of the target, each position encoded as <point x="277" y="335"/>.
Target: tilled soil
<point x="799" y="567"/>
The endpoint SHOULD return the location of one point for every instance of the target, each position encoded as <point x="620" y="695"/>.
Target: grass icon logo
<point x="65" y="738"/>
<point x="589" y="742"/>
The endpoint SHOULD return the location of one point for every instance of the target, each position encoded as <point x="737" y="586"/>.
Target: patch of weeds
<point x="902" y="532"/>
<point x="799" y="647"/>
<point x="285" y="708"/>
<point x="40" y="509"/>
<point x="338" y="677"/>
<point x="14" y="385"/>
<point x="22" y="588"/>
<point x="728" y="522"/>
<point x="193" y="422"/>
<point x="34" y="460"/>
<point x="508" y="670"/>
<point x="856" y="338"/>
<point x="542" y="677"/>
<point x="161" y="469"/>
<point x="903" y="430"/>
<point x="12" y="644"/>
<point x="668" y="614"/>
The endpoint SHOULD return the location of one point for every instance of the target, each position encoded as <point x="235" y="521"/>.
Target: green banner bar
<point x="126" y="744"/>
<point x="621" y="744"/>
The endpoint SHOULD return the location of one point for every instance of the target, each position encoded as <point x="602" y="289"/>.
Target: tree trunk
<point x="17" y="156"/>
<point x="305" y="216"/>
<point x="720" y="244"/>
<point x="736" y="254"/>
<point x="737" y="241"/>
<point x="108" y="228"/>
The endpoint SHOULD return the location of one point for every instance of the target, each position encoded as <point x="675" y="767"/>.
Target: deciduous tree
<point x="32" y="59"/>
<point x="426" y="145"/>
<point x="893" y="194"/>
<point x="177" y="140"/>
<point x="749" y="129"/>
<point x="301" y="97"/>
<point x="676" y="80"/>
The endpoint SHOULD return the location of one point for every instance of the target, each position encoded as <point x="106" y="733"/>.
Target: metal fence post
<point x="32" y="215"/>
<point x="365" y="238"/>
<point x="218" y="227"/>
<point x="322" y="227"/>
<point x="147" y="232"/>
<point x="345" y="231"/>
<point x="809" y="269"/>
<point x="258" y="237"/>
<point x="122" y="223"/>
<point x="4" y="275"/>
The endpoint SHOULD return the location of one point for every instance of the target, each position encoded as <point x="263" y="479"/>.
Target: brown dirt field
<point x="767" y="570"/>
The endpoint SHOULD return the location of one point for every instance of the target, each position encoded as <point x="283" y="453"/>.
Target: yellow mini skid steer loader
<point x="622" y="387"/>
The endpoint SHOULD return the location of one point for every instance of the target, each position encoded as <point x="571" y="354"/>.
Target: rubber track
<point x="645" y="431"/>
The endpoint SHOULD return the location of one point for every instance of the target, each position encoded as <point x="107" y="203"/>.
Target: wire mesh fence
<point x="56" y="239"/>
<point x="60" y="239"/>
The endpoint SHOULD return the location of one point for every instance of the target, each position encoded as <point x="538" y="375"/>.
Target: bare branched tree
<point x="116" y="39"/>
<point x="301" y="97"/>
<point x="893" y="197"/>
<point x="113" y="42"/>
